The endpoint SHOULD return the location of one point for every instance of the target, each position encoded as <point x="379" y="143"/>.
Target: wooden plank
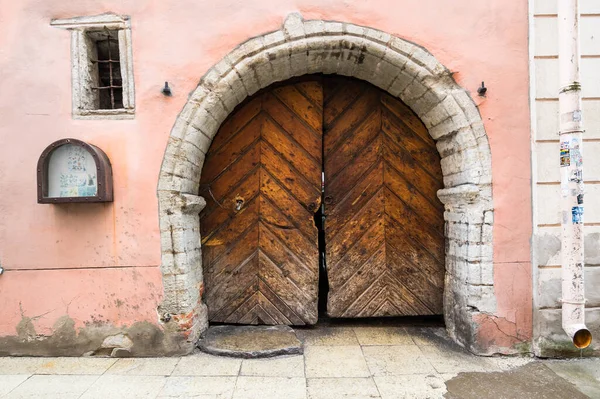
<point x="237" y="172"/>
<point x="425" y="155"/>
<point x="301" y="106"/>
<point x="216" y="214"/>
<point x="339" y="102"/>
<point x="413" y="227"/>
<point x="313" y="90"/>
<point x="403" y="162"/>
<point x="354" y="117"/>
<point x="304" y="192"/>
<point x="397" y="184"/>
<point x="351" y="146"/>
<point x="219" y="161"/>
<point x="235" y="122"/>
<point x="225" y="236"/>
<point x="289" y="122"/>
<point x="289" y="151"/>
<point x="407" y="116"/>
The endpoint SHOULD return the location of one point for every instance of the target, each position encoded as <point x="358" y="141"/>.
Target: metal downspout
<point x="571" y="176"/>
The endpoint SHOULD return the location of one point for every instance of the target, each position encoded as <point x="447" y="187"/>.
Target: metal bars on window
<point x="110" y="82"/>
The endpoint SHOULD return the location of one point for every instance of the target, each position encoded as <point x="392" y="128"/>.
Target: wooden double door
<point x="262" y="181"/>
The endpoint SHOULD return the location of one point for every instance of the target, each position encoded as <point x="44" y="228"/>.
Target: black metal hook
<point x="482" y="90"/>
<point x="167" y="90"/>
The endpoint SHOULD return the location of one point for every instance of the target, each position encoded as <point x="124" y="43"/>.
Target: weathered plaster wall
<point x="549" y="337"/>
<point x="96" y="250"/>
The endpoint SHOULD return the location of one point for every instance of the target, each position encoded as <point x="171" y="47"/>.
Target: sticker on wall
<point x="565" y="217"/>
<point x="576" y="156"/>
<point x="577" y="214"/>
<point x="565" y="155"/>
<point x="576" y="176"/>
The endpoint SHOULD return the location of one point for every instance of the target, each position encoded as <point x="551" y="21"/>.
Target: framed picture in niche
<point x="70" y="170"/>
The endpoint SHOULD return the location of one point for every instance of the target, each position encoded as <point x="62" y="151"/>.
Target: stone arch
<point x="403" y="69"/>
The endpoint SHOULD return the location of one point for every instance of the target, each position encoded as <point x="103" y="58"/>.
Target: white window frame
<point x="82" y="78"/>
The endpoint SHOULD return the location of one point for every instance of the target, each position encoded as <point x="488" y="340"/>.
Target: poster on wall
<point x="72" y="173"/>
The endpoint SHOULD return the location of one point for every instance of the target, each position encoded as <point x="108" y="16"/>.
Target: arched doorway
<point x="262" y="181"/>
<point x="405" y="71"/>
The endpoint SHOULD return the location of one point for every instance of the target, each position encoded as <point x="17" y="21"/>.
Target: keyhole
<point x="239" y="203"/>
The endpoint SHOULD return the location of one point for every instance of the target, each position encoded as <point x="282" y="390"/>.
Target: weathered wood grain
<point x="261" y="262"/>
<point x="384" y="226"/>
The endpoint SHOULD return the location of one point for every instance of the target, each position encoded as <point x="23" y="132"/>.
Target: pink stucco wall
<point x="79" y="259"/>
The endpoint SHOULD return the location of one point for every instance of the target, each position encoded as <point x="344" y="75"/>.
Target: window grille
<point x="110" y="83"/>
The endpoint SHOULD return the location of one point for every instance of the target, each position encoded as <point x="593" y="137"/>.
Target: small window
<point x="109" y="81"/>
<point x="102" y="66"/>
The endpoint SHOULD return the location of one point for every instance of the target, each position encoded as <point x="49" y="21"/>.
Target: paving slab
<point x="143" y="366"/>
<point x="202" y="364"/>
<point x="198" y="387"/>
<point x="456" y="360"/>
<point x="327" y="336"/>
<point x="53" y="387"/>
<point x="382" y="336"/>
<point x="329" y="388"/>
<point x="424" y="386"/>
<point x="20" y="365"/>
<point x="335" y="361"/>
<point x="533" y="380"/>
<point x="125" y="387"/>
<point x="75" y="365"/>
<point x="250" y="341"/>
<point x="396" y="360"/>
<point x="427" y="336"/>
<point x="288" y="366"/>
<point x="270" y="388"/>
<point x="10" y="382"/>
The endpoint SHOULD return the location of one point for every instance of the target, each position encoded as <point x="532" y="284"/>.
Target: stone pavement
<point x="338" y="362"/>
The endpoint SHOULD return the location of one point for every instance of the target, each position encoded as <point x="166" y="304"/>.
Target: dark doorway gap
<point x="319" y="218"/>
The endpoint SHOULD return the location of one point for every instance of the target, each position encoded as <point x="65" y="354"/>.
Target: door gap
<point x="319" y="218"/>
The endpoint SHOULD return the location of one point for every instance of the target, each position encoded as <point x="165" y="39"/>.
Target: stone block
<point x="299" y="58"/>
<point x="378" y="36"/>
<point x="245" y="70"/>
<point x="211" y="78"/>
<point x="333" y="28"/>
<point x="400" y="83"/>
<point x="413" y="91"/>
<point x="264" y="69"/>
<point x="482" y="298"/>
<point x="280" y="64"/>
<point x="425" y="103"/>
<point x="366" y="69"/>
<point x="273" y="39"/>
<point x="354" y="30"/>
<point x="427" y="60"/>
<point x="402" y="46"/>
<point x="314" y="28"/>
<point x="205" y="122"/>
<point x="293" y="27"/>
<point x="463" y="139"/>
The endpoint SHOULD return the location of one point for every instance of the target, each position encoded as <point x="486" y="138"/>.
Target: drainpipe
<point x="571" y="175"/>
